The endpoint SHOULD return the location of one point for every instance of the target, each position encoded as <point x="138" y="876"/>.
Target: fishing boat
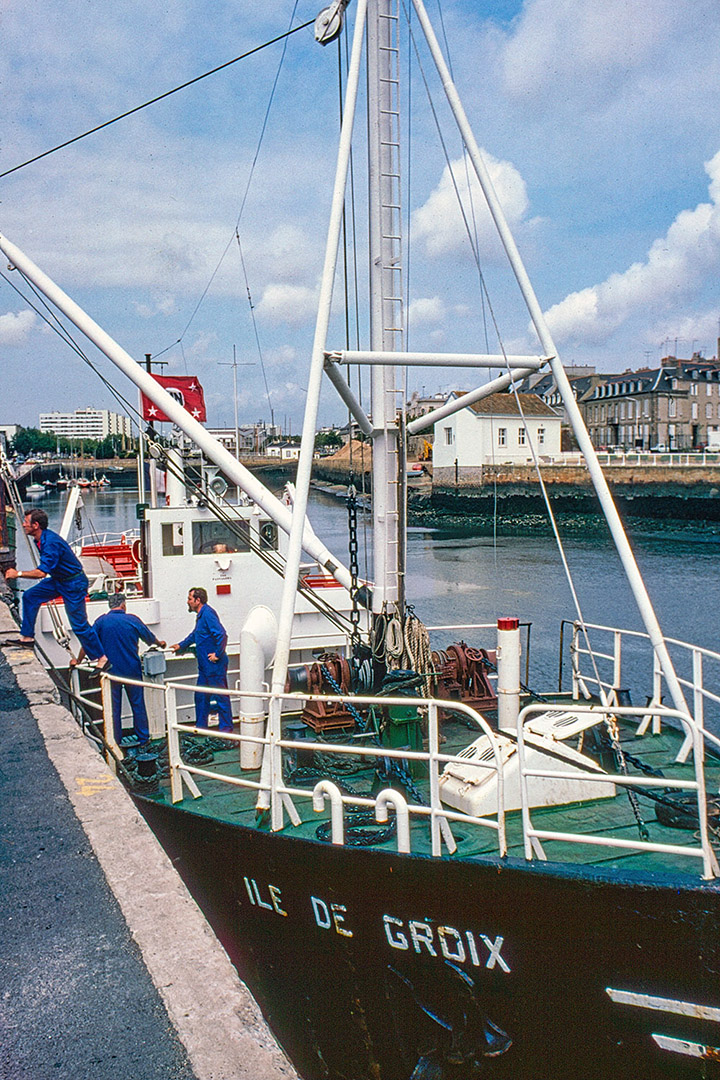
<point x="423" y="867"/>
<point x="35" y="489"/>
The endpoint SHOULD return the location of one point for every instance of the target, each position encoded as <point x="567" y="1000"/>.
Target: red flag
<point x="185" y="389"/>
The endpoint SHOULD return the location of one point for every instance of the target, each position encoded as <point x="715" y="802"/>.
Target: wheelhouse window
<point x="217" y="538"/>
<point x="172" y="537"/>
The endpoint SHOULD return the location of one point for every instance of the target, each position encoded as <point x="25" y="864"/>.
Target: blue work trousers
<point x="203" y="702"/>
<point x="73" y="593"/>
<point x="137" y="705"/>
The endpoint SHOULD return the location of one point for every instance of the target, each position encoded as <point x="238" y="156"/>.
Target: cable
<point x="153" y="101"/>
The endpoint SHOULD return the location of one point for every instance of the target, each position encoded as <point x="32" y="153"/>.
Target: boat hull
<point x="373" y="965"/>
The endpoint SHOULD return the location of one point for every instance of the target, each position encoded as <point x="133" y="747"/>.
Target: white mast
<point x="386" y="306"/>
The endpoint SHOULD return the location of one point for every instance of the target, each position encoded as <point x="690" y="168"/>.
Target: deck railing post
<point x="173" y="741"/>
<point x="325" y="789"/>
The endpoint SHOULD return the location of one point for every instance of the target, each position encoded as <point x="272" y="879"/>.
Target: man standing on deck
<point x="60" y="574"/>
<point x="210" y="640"/>
<point x="119" y="634"/>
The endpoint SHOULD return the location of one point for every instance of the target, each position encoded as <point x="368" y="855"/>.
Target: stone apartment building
<point x="673" y="407"/>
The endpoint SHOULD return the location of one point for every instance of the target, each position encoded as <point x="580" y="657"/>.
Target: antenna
<point x="235" y="366"/>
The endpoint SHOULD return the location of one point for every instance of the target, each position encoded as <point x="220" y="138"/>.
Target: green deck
<point x="608" y="817"/>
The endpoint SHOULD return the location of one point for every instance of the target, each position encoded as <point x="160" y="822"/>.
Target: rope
<point x="153" y="101"/>
<point x="394" y="643"/>
<point x="418" y="651"/>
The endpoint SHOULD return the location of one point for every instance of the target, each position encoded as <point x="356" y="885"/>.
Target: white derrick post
<point x="508" y="681"/>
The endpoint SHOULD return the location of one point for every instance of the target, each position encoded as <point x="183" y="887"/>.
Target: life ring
<point x="136" y="552"/>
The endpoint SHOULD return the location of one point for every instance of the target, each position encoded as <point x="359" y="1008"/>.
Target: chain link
<point x="354" y="565"/>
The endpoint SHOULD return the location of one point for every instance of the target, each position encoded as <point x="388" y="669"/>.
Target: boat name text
<point x="450" y="941"/>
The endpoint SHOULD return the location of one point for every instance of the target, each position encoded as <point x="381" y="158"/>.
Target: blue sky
<point x="600" y="125"/>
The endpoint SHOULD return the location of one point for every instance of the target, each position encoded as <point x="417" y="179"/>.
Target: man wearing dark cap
<point x="120" y="634"/>
<point x="60" y="574"/>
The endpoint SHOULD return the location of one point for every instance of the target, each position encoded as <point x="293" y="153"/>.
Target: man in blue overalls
<point x="120" y="633"/>
<point x="61" y="575"/>
<point x="210" y="641"/>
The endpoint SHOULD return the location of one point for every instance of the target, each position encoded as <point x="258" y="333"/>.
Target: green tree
<point x="329" y="439"/>
<point x="33" y="441"/>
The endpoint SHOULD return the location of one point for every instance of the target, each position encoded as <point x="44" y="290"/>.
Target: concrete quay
<point x="107" y="967"/>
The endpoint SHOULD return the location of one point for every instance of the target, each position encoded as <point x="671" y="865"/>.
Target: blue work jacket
<point x="208" y="636"/>
<point x="57" y="557"/>
<point x="119" y="633"/>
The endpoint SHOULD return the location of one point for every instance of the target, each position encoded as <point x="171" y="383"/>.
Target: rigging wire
<point x="58" y="327"/>
<point x="160" y="97"/>
<point x="236" y="231"/>
<point x="277" y="563"/>
<point x="513" y="386"/>
<point x="255" y="329"/>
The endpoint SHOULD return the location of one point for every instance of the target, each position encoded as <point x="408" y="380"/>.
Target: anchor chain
<point x="354" y="566"/>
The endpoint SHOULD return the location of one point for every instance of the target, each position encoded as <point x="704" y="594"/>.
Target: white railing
<point x="533" y="836"/>
<point x="601" y="671"/>
<point x="95" y="539"/>
<point x="659" y="458"/>
<point x="182" y="772"/>
<point x="282" y="796"/>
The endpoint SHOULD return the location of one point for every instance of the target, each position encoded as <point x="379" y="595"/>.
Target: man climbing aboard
<point x="59" y="574"/>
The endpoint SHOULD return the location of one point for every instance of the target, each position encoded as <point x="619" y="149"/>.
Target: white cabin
<point x="494" y="431"/>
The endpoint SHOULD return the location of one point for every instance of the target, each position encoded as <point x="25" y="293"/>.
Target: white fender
<point x="257" y="648"/>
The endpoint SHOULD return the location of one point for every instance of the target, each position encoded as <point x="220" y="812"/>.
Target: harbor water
<point x="457" y="578"/>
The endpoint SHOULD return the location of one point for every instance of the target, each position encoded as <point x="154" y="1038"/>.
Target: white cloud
<point x="293" y="304"/>
<point x="285" y="356"/>
<point x="675" y="264"/>
<point x="689" y="333"/>
<point x="161" y="305"/>
<point x="287" y="393"/>
<point x="15" y="329"/>
<point x="606" y="40"/>
<point x="439" y="223"/>
<point x="425" y="309"/>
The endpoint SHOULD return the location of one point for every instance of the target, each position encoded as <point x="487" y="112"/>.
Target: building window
<point x="672" y="407"/>
<point x="541" y="436"/>
<point x="448" y="436"/>
<point x="708" y="410"/>
<point x="693" y="389"/>
<point x="502" y="436"/>
<point x="708" y="390"/>
<point x="694" y="410"/>
<point x="521" y="436"/>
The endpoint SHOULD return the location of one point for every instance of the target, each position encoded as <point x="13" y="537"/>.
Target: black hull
<point x="407" y="967"/>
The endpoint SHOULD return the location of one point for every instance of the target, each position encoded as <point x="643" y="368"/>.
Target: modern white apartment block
<point x="86" y="424"/>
